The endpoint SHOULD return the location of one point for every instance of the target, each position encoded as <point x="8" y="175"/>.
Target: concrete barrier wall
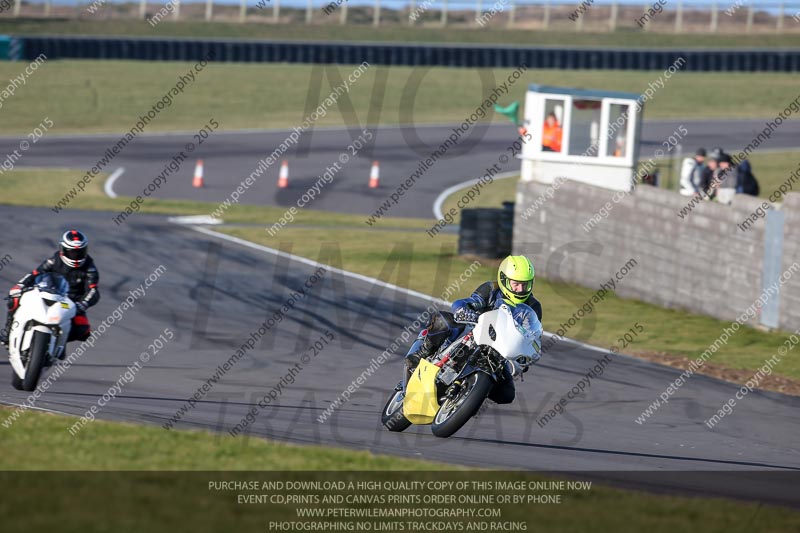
<point x="790" y="295"/>
<point x="703" y="263"/>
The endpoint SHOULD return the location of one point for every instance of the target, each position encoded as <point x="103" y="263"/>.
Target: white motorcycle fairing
<point x="499" y="330"/>
<point x="46" y="312"/>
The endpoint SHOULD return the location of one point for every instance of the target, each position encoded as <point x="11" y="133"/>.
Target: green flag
<point x="511" y="111"/>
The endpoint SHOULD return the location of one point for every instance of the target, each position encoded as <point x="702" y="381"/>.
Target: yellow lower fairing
<point x="421" y="404"/>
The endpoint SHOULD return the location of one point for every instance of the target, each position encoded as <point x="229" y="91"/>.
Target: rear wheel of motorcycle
<point x="455" y="412"/>
<point x="392" y="415"/>
<point x="36" y="360"/>
<point x="16" y="382"/>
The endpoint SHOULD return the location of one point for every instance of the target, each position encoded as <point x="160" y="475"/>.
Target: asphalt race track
<point x="215" y="293"/>
<point x="230" y="157"/>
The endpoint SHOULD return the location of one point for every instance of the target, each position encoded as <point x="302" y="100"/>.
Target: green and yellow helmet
<point x="516" y="268"/>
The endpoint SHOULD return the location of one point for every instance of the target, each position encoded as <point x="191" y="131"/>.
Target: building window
<point x="585" y="128"/>
<point x="617" y="145"/>
<point x="552" y="132"/>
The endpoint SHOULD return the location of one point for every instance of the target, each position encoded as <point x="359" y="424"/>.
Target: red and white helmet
<point x="74" y="248"/>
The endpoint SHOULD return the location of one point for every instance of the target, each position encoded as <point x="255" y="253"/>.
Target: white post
<point x="376" y="14"/>
<point x="411" y="8"/>
<point x="444" y="13"/>
<point x="714" y="18"/>
<point x="612" y="21"/>
<point x="242" y="10"/>
<point x="679" y="18"/>
<point x="209" y="9"/>
<point x="478" y="11"/>
<point x="511" y="13"/>
<point x="308" y="12"/>
<point x="343" y="14"/>
<point x="142" y="8"/>
<point x="750" y="13"/>
<point x="17" y="5"/>
<point x="177" y="12"/>
<point x="546" y="20"/>
<point x="779" y="26"/>
<point x="276" y="11"/>
<point x="46" y="8"/>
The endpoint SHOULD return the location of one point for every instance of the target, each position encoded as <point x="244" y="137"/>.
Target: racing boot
<point x="6" y="329"/>
<point x="423" y="348"/>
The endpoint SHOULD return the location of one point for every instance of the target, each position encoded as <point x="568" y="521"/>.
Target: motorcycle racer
<point x="73" y="262"/>
<point x="514" y="288"/>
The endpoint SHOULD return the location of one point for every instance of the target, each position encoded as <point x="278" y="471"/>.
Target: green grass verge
<point x="353" y="32"/>
<point x="366" y="250"/>
<point x="104" y="445"/>
<point x="106" y="96"/>
<point x="39" y="441"/>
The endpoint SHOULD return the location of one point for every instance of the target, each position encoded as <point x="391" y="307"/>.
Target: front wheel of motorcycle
<point x="37" y="357"/>
<point x="456" y="411"/>
<point x="392" y="415"/>
<point x="16" y="381"/>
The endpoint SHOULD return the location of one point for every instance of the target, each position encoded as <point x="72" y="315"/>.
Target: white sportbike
<point x="40" y="329"/>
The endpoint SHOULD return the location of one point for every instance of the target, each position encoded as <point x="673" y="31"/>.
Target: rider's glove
<point x="81" y="307"/>
<point x="16" y="291"/>
<point x="465" y="314"/>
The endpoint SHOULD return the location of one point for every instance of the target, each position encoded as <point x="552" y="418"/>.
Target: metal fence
<point x="577" y="15"/>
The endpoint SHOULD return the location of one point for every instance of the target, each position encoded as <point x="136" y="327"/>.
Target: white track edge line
<point x="109" y="185"/>
<point x="437" y="204"/>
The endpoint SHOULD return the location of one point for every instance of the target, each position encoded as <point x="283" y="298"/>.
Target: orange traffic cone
<point x="283" y="178"/>
<point x="198" y="175"/>
<point x="374" y="175"/>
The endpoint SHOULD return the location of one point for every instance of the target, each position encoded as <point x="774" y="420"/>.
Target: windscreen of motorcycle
<point x="499" y="330"/>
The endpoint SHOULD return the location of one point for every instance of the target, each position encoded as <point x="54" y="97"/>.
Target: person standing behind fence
<point x="692" y="173"/>
<point x="726" y="179"/>
<point x="710" y="168"/>
<point x="746" y="182"/>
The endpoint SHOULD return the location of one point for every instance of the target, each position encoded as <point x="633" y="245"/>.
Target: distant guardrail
<point x="10" y="48"/>
<point x="148" y="49"/>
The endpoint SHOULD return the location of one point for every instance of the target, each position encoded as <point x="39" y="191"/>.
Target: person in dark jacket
<point x="72" y="261"/>
<point x="709" y="170"/>
<point x="746" y="182"/>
